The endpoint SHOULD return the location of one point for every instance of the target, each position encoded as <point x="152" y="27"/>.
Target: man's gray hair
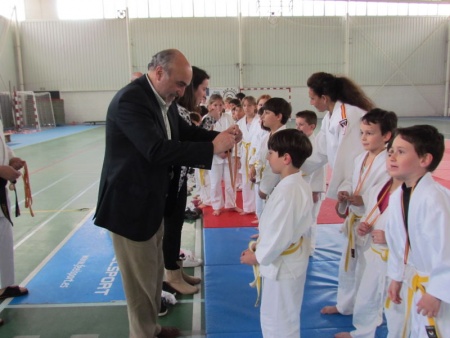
<point x="163" y="59"/>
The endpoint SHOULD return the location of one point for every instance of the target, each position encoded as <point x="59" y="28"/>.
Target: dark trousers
<point x="173" y="224"/>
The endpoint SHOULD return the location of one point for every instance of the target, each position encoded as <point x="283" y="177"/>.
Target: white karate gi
<point x="348" y="281"/>
<point x="268" y="179"/>
<point x="338" y="145"/>
<point x="317" y="183"/>
<point x="285" y="219"/>
<point x="220" y="170"/>
<point x="372" y="293"/>
<point x="7" y="276"/>
<point x="257" y="143"/>
<point x="429" y="255"/>
<point x="248" y="130"/>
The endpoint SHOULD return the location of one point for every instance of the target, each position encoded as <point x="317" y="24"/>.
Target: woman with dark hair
<point x="344" y="103"/>
<point x="339" y="144"/>
<point x="176" y="201"/>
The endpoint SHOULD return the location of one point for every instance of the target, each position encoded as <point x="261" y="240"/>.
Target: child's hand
<point x="9" y="173"/>
<point x="248" y="257"/>
<point x="337" y="208"/>
<point x="363" y="228"/>
<point x="343" y="196"/>
<point x="252" y="173"/>
<point x="355" y="200"/>
<point x="315" y="196"/>
<point x="394" y="291"/>
<point x="428" y="305"/>
<point x="378" y="237"/>
<point x="17" y="163"/>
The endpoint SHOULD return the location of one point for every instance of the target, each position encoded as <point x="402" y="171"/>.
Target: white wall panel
<point x="211" y="44"/>
<point x="74" y="55"/>
<point x="397" y="59"/>
<point x="287" y="52"/>
<point x="8" y="70"/>
<point x="398" y="50"/>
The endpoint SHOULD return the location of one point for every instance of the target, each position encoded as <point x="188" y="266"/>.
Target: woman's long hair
<point x="188" y="100"/>
<point x="339" y="88"/>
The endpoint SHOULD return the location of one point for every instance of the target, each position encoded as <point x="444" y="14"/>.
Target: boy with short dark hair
<point x="376" y="129"/>
<point x="418" y="231"/>
<point x="281" y="250"/>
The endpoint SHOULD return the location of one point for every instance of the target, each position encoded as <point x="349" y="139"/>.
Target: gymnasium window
<point x="97" y="9"/>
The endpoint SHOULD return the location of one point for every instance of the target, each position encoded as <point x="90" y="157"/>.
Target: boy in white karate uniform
<point x="372" y="293"/>
<point x="377" y="127"/>
<point x="418" y="232"/>
<point x="306" y="122"/>
<point x="249" y="125"/>
<point x="277" y="112"/>
<point x="281" y="250"/>
<point x="9" y="171"/>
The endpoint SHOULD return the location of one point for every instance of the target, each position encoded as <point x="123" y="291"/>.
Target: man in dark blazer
<point x="146" y="143"/>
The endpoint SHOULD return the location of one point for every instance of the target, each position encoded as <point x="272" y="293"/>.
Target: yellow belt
<point x="416" y="285"/>
<point x="257" y="281"/>
<point x="246" y="146"/>
<point x="384" y="253"/>
<point x="351" y="239"/>
<point x="201" y="174"/>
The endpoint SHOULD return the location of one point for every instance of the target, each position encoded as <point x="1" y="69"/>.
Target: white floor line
<point x="197" y="306"/>
<point x="13" y="207"/>
<point x="23" y="240"/>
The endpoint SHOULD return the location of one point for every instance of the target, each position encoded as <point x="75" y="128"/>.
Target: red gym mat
<point x="228" y="219"/>
<point x="327" y="213"/>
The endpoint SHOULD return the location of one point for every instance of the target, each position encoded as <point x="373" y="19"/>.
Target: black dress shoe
<point x="169" y="332"/>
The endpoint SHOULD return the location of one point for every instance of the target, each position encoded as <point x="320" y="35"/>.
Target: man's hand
<point x="223" y="142"/>
<point x="227" y="139"/>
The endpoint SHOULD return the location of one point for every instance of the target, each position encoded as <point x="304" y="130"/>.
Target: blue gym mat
<point x="26" y="139"/>
<point x="229" y="300"/>
<point x="84" y="270"/>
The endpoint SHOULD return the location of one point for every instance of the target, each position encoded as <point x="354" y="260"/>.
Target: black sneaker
<point x="163" y="309"/>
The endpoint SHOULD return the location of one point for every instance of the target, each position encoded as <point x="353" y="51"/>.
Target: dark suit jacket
<point x="140" y="161"/>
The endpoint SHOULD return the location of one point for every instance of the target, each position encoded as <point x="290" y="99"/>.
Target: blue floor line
<point x="83" y="270"/>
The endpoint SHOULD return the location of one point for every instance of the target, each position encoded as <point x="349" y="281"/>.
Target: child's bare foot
<point x="343" y="335"/>
<point x="242" y="213"/>
<point x="256" y="221"/>
<point x="216" y="213"/>
<point x="236" y="209"/>
<point x="329" y="310"/>
<point x="255" y="236"/>
<point x="202" y="206"/>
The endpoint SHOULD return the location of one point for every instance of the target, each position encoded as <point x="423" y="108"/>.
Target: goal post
<point x="33" y="110"/>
